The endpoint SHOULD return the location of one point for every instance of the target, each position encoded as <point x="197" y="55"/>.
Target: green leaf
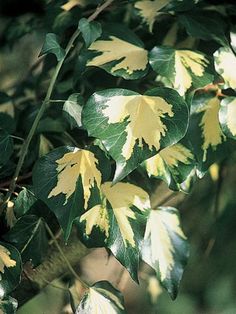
<point x="73" y="109"/>
<point x="227" y="116"/>
<point x="206" y="25"/>
<point x="116" y="221"/>
<point x="205" y="133"/>
<point x="24" y="201"/>
<point x="51" y="45"/>
<point x="7" y="123"/>
<point x="10" y="268"/>
<point x="8" y="305"/>
<point x="66" y="178"/>
<point x="28" y="235"/>
<point x="165" y="247"/>
<point x="118" y="117"/>
<point x="173" y="164"/>
<point x="225" y="63"/>
<point x="102" y="298"/>
<point x="119" y="52"/>
<point x="90" y="31"/>
<point x="6" y="147"/>
<point x="185" y="69"/>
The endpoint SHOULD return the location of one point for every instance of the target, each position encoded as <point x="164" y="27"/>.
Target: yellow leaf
<point x="149" y="10"/>
<point x="154" y="288"/>
<point x="129" y="57"/>
<point x="187" y="60"/>
<point x="212" y="133"/>
<point x="162" y="249"/>
<point x="226" y="66"/>
<point x="72" y="165"/>
<point x="137" y="109"/>
<point x="5" y="260"/>
<point x="72" y="3"/>
<point x="231" y="117"/>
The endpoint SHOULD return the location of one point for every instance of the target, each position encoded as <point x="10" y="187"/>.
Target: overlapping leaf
<point x="65" y="179"/>
<point x="120" y="53"/>
<point x="51" y="45"/>
<point x="165" y="247"/>
<point x="228" y="116"/>
<point x="6" y="147"/>
<point x="225" y="64"/>
<point x="102" y="298"/>
<point x="185" y="69"/>
<point x="117" y="222"/>
<point x="205" y="132"/>
<point x="10" y="268"/>
<point x="173" y="164"/>
<point x="134" y="127"/>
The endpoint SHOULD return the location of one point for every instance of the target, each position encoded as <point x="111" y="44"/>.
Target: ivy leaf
<point x="66" y="178"/>
<point x="173" y="165"/>
<point x="227" y="116"/>
<point x="24" y="201"/>
<point x="165" y="247"/>
<point x="225" y="63"/>
<point x="90" y="31"/>
<point x="29" y="236"/>
<point x="6" y="147"/>
<point x="51" y="45"/>
<point x="8" y="305"/>
<point x="72" y="109"/>
<point x="102" y="298"/>
<point x="120" y="53"/>
<point x="206" y="25"/>
<point x="185" y="69"/>
<point x="118" y="117"/>
<point x="205" y="133"/>
<point x="10" y="268"/>
<point x="70" y="4"/>
<point x="116" y="221"/>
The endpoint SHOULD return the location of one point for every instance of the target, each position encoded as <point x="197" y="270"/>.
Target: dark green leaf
<point x="6" y="147"/>
<point x="90" y="31"/>
<point x="51" y="45"/>
<point x="24" y="201"/>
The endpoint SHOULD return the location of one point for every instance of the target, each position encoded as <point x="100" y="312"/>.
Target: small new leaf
<point x="165" y="247"/>
<point x="51" y="45"/>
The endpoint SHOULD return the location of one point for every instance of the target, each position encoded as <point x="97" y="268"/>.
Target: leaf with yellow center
<point x="225" y="64"/>
<point x="165" y="247"/>
<point x="139" y="109"/>
<point x="149" y="10"/>
<point x="72" y="165"/>
<point x="123" y="55"/>
<point x="134" y="127"/>
<point x="228" y="116"/>
<point x="185" y="69"/>
<point x="211" y="130"/>
<point x="5" y="259"/>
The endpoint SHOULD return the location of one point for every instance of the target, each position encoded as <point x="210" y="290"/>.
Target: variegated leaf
<point x="173" y="165"/>
<point x="117" y="222"/>
<point x="66" y="179"/>
<point x="165" y="247"/>
<point x="228" y="116"/>
<point x="225" y="64"/>
<point x="120" y="53"/>
<point x="205" y="133"/>
<point x="102" y="298"/>
<point x="184" y="69"/>
<point x="134" y="127"/>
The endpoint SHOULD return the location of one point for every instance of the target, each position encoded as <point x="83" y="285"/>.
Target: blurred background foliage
<point x="208" y="212"/>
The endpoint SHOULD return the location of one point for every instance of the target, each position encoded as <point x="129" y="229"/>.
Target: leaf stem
<point x="25" y="146"/>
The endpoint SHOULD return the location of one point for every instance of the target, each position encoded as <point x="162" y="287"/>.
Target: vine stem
<point x="73" y="272"/>
<point x="25" y="146"/>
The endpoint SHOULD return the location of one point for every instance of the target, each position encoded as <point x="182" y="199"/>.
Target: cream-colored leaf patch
<point x="210" y="125"/>
<point x="138" y="109"/>
<point x="5" y="259"/>
<point x="231" y="117"/>
<point x="225" y="63"/>
<point x="122" y="196"/>
<point x="70" y="4"/>
<point x="128" y="57"/>
<point x="149" y="10"/>
<point x="72" y="165"/>
<point x="186" y="60"/>
<point x="159" y="226"/>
